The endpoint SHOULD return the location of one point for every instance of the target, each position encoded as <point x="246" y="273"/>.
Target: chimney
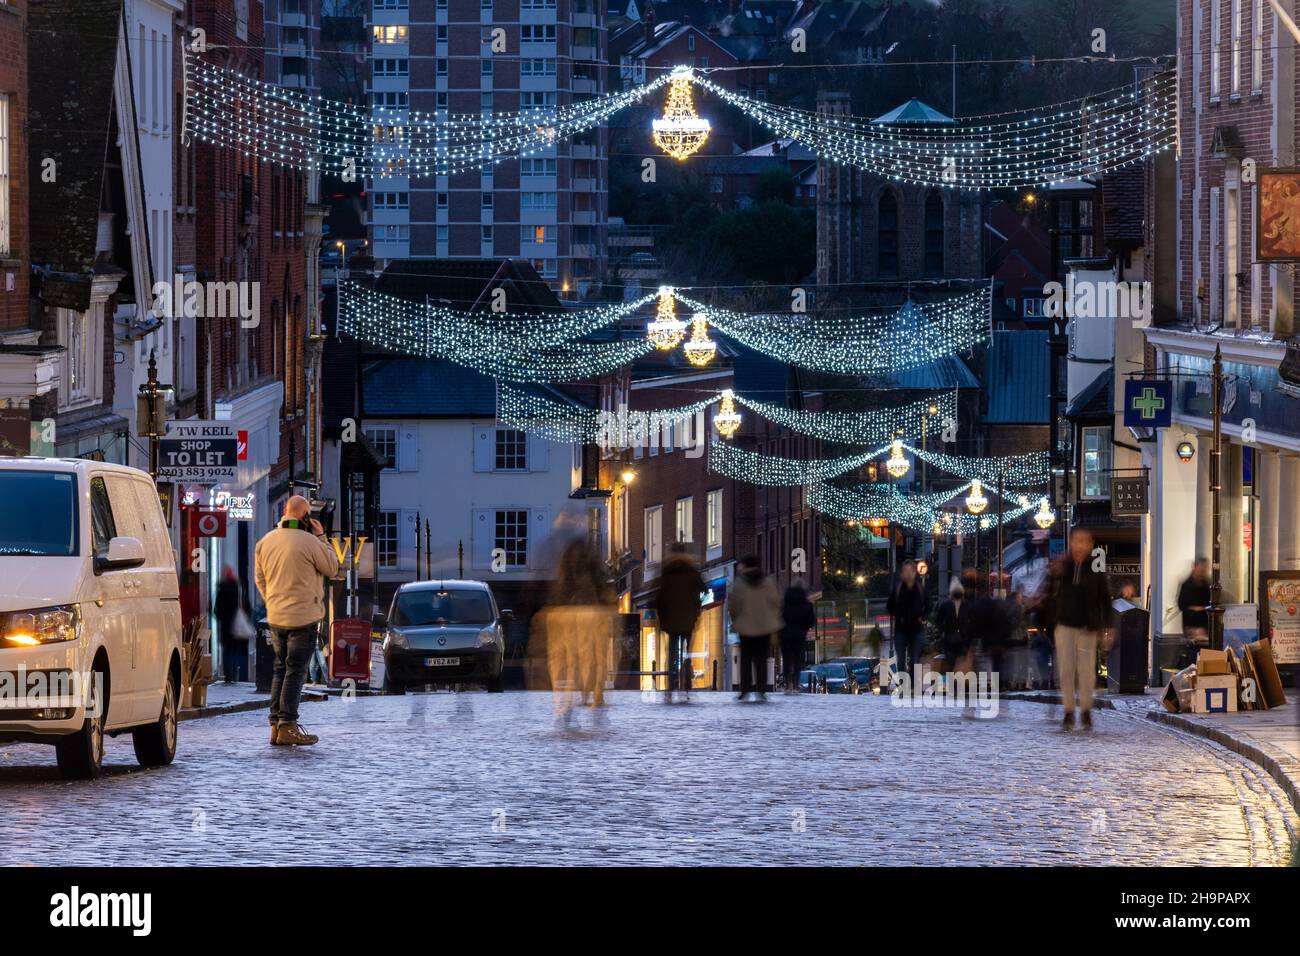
<point x="648" y="23"/>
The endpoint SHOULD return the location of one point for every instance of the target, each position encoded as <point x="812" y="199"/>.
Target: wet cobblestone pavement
<point x="479" y="778"/>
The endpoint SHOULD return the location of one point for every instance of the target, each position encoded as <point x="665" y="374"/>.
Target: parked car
<point x="865" y="670"/>
<point x="443" y="632"/>
<point x="90" y="601"/>
<point x="829" y="678"/>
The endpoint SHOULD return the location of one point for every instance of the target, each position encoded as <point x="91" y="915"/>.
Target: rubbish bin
<point x="265" y="657"/>
<point x="1126" y="667"/>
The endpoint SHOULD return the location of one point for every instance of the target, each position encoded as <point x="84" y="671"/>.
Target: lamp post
<point x="151" y="412"/>
<point x="1216" y="488"/>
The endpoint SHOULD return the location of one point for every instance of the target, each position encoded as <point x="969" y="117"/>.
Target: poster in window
<point x="1277" y="215"/>
<point x="1280" y="614"/>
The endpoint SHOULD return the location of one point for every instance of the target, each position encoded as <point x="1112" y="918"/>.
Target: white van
<point x="90" y="619"/>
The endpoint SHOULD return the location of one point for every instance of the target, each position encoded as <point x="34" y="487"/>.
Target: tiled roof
<point x="1094" y="401"/>
<point x="1017" y="378"/>
<point x="945" y="373"/>
<point x="913" y="111"/>
<point x="401" y="386"/>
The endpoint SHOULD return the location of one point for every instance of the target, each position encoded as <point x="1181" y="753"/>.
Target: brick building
<point x="249" y="225"/>
<point x="870" y="228"/>
<point x="27" y="369"/>
<point x="1232" y="292"/>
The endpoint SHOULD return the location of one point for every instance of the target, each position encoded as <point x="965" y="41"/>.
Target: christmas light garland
<point x="756" y="468"/>
<point x="226" y="108"/>
<point x="1033" y="468"/>
<point x="560" y="421"/>
<point x="912" y="336"/>
<point x="866" y="504"/>
<point x="1086" y="137"/>
<point x="521" y="348"/>
<point x="874" y="427"/>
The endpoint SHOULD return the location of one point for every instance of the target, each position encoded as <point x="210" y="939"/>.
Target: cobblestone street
<point x="478" y="778"/>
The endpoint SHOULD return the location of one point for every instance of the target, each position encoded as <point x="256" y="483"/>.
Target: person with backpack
<point x="677" y="605"/>
<point x="800" y="617"/>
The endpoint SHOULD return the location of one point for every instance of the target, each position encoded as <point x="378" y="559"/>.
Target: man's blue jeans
<point x="293" y="648"/>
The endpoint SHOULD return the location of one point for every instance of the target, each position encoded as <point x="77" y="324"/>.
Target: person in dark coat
<point x="947" y="620"/>
<point x="1082" y="605"/>
<point x="226" y="608"/>
<point x="800" y="617"/>
<point x="677" y="606"/>
<point x="985" y="623"/>
<point x="907" y="607"/>
<point x="1194" y="603"/>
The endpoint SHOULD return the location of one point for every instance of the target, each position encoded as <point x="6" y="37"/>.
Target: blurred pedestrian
<point x="677" y="605"/>
<point x="754" y="606"/>
<point x="907" y="607"/>
<point x="799" y="617"/>
<point x="947" y="621"/>
<point x="987" y="625"/>
<point x="1128" y="591"/>
<point x="226" y="608"/>
<point x="1194" y="603"/>
<point x="578" y="623"/>
<point x="1081" y="598"/>
<point x="291" y="564"/>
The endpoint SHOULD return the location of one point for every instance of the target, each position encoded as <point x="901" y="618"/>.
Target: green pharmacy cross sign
<point x="1148" y="403"/>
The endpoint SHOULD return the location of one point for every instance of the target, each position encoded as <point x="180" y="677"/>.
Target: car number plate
<point x="441" y="661"/>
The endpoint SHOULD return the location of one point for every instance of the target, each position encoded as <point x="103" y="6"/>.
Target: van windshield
<point x="430" y="607"/>
<point x="38" y="514"/>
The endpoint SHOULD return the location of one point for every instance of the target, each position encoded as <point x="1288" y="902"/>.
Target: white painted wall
<point x="438" y="477"/>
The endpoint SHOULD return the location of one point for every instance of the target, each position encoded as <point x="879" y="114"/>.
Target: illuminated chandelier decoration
<point x="700" y="349"/>
<point x="1044" y="517"/>
<point x="727" y="419"/>
<point x="681" y="131"/>
<point x="897" y="463"/>
<point x="976" y="501"/>
<point x="666" y="331"/>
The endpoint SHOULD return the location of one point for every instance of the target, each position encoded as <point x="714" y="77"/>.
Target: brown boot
<point x="295" y="735"/>
<point x="275" y="735"/>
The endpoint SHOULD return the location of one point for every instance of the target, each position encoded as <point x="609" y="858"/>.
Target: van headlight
<point x="397" y="639"/>
<point x="46" y="625"/>
<point x="487" y="636"/>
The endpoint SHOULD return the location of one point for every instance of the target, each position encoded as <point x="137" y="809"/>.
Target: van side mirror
<point x="379" y="621"/>
<point x="507" y="614"/>
<point x="123" y="553"/>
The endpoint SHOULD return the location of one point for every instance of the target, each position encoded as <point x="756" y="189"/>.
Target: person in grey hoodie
<point x="754" y="606"/>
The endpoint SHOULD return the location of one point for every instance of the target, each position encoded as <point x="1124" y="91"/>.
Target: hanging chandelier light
<point x="976" y="501"/>
<point x="1045" y="517"/>
<point x="681" y="131"/>
<point x="700" y="349"/>
<point x="727" y="419"/>
<point x="897" y="464"/>
<point x="665" y="330"/>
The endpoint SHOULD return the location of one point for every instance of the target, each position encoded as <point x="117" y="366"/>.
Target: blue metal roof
<point x="939" y="375"/>
<point x="403" y="386"/>
<point x="1017" y="378"/>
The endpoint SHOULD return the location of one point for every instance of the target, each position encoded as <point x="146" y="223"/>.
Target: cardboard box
<point x="1215" y="694"/>
<point x="1270" y="681"/>
<point x="205" y="666"/>
<point x="1210" y="663"/>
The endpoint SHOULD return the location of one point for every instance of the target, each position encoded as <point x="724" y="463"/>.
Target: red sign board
<point x="207" y="523"/>
<point x="241" y="445"/>
<point x="350" y="649"/>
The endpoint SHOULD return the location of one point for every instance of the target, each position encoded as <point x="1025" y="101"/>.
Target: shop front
<point x="706" y="650"/>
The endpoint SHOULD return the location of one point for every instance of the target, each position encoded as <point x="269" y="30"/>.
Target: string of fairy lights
<point x="1085" y="137"/>
<point x="912" y="336"/>
<point x="946" y="512"/>
<point x="521" y="346"/>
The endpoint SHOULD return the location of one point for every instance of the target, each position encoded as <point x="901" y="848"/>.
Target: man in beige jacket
<point x="289" y="563"/>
